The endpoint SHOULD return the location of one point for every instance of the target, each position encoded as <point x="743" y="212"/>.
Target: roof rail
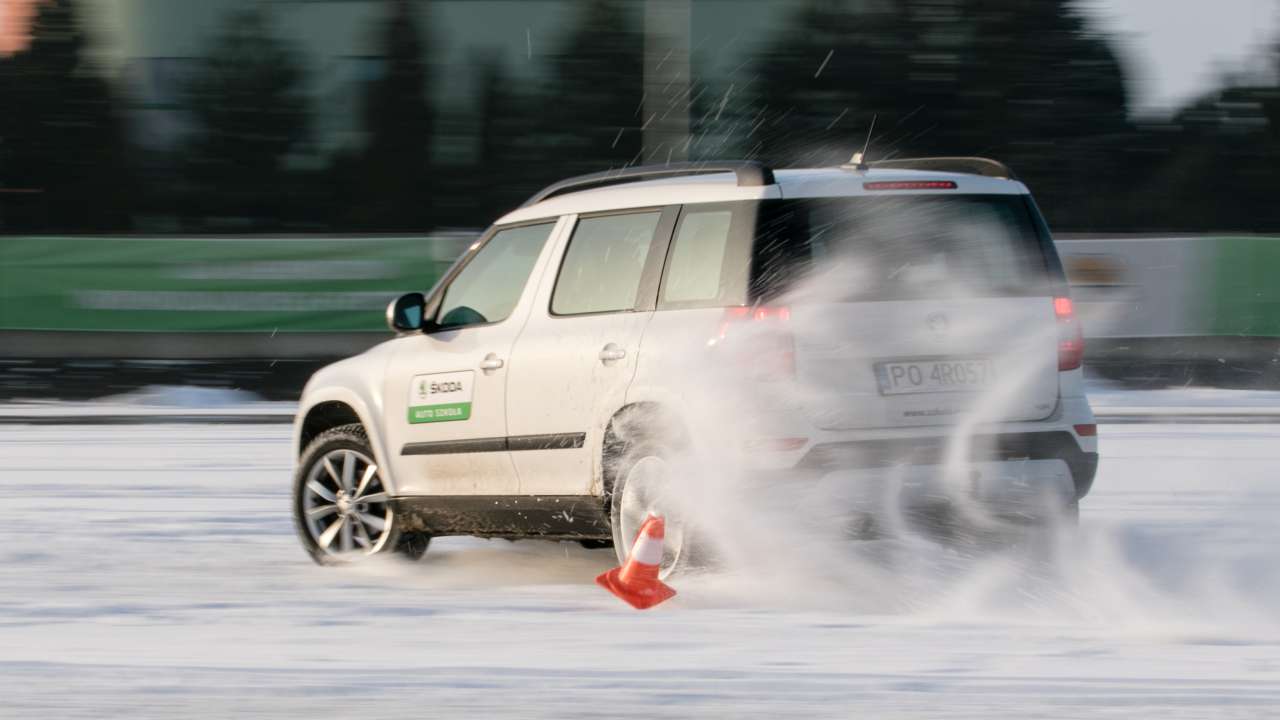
<point x="750" y="174"/>
<point x="968" y="165"/>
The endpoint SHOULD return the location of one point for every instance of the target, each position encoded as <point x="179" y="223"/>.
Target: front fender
<point x="356" y="382"/>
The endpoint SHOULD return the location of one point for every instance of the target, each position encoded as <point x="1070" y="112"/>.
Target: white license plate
<point x="933" y="376"/>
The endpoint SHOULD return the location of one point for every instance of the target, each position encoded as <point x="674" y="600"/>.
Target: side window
<point x="604" y="262"/>
<point x="708" y="263"/>
<point x="695" y="268"/>
<point x="489" y="286"/>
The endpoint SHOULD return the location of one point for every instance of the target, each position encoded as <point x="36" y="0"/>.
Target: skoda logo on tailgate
<point x="938" y="323"/>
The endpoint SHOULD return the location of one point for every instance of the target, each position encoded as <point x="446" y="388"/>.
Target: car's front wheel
<point x="340" y="505"/>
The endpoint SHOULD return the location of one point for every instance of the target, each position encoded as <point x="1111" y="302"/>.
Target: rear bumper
<point x="1061" y="445"/>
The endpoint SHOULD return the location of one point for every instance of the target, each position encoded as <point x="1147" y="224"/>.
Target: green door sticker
<point x="440" y="397"/>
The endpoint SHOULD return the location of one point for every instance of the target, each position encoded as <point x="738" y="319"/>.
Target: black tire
<point x="348" y="438"/>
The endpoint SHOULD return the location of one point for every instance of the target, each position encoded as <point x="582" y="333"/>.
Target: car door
<point x="445" y="389"/>
<point x="572" y="364"/>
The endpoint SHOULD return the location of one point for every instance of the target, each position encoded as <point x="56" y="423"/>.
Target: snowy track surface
<point x="193" y="406"/>
<point x="152" y="571"/>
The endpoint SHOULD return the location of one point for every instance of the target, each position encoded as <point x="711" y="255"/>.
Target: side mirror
<point x="406" y="313"/>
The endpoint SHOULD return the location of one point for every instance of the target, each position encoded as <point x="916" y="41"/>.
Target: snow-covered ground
<point x="156" y="403"/>
<point x="1117" y="403"/>
<point x="152" y="571"/>
<point x="1108" y="395"/>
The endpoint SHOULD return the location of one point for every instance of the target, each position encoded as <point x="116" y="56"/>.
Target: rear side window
<point x="604" y="263"/>
<point x="706" y="266"/>
<point x="489" y="286"/>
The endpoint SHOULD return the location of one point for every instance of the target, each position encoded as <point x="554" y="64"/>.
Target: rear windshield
<point x="857" y="249"/>
<point x="899" y="248"/>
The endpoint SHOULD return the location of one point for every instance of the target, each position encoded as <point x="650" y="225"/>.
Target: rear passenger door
<point x="572" y="364"/>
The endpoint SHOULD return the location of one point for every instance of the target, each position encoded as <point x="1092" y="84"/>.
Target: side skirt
<point x="569" y="517"/>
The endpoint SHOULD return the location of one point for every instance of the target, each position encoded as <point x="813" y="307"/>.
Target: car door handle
<point x="611" y="353"/>
<point x="490" y="363"/>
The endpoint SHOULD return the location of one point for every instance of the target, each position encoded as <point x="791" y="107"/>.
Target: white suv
<point x="909" y="318"/>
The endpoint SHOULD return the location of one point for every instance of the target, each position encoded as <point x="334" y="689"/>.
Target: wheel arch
<point x="333" y="407"/>
<point x="640" y="420"/>
<point x="325" y="416"/>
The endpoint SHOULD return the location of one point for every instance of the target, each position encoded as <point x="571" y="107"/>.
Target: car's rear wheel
<point x="643" y="486"/>
<point x="341" y="508"/>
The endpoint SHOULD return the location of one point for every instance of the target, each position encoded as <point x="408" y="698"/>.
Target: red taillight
<point x="1070" y="335"/>
<point x="732" y="315"/>
<point x="759" y="313"/>
<point x="768" y="347"/>
<point x="910" y="185"/>
<point x="771" y="313"/>
<point x="1087" y="430"/>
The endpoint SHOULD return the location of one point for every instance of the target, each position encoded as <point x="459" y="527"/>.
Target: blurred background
<point x="226" y="193"/>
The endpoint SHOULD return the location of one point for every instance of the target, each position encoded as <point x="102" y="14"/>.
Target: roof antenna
<point x="858" y="161"/>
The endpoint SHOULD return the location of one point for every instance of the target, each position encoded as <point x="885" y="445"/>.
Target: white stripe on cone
<point x="647" y="550"/>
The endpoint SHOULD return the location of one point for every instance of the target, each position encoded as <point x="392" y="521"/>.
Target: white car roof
<point x="720" y="187"/>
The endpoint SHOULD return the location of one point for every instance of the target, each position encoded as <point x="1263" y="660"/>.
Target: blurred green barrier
<point x="1245" y="289"/>
<point x="1205" y="309"/>
<point x="1175" y="286"/>
<point x="1145" y="298"/>
<point x="214" y="284"/>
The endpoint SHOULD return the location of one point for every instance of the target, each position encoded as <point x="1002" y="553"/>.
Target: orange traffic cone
<point x="637" y="582"/>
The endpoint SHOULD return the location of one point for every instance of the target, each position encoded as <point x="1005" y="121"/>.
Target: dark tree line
<point x="1026" y="83"/>
<point x="1031" y="84"/>
<point x="249" y="113"/>
<point x="64" y="163"/>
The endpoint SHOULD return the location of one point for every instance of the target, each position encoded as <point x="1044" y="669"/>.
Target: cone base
<point x="639" y="594"/>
